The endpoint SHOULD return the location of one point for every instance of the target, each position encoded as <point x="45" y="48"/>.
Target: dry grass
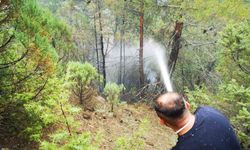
<point x="124" y="122"/>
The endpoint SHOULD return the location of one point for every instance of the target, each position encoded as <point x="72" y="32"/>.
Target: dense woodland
<point x="56" y="56"/>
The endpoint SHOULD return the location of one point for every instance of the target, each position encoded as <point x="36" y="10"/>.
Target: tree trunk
<point x="121" y="61"/>
<point x="81" y="94"/>
<point x="102" y="45"/>
<point x="124" y="64"/>
<point x="175" y="46"/>
<point x="96" y="46"/>
<point x="112" y="107"/>
<point x="122" y="47"/>
<point x="141" y="71"/>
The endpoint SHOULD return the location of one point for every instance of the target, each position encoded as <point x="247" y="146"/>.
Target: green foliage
<point x="134" y="141"/>
<point x="45" y="111"/>
<point x="79" y="73"/>
<point x="235" y="69"/>
<point x="233" y="94"/>
<point x="223" y="10"/>
<point x="241" y="122"/>
<point x="81" y="78"/>
<point x="235" y="57"/>
<point x="112" y="91"/>
<point x="233" y="100"/>
<point x="238" y="96"/>
<point x="30" y="90"/>
<point x="34" y="92"/>
<point x="63" y="141"/>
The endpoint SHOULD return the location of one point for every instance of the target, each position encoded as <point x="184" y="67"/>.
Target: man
<point x="207" y="129"/>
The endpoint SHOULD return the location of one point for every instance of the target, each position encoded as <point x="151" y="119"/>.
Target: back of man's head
<point x="170" y="106"/>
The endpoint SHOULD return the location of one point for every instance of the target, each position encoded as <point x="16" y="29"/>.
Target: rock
<point x="100" y="99"/>
<point x="99" y="103"/>
<point x="110" y="115"/>
<point x="137" y="120"/>
<point x="149" y="143"/>
<point x="86" y="115"/>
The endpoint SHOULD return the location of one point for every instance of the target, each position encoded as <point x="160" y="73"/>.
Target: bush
<point x="63" y="141"/>
<point x="30" y="89"/>
<point x="48" y="109"/>
<point x="112" y="91"/>
<point x="81" y="78"/>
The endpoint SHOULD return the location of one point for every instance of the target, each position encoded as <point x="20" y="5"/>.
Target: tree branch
<point x="5" y="44"/>
<point x="40" y="89"/>
<point x="236" y="60"/>
<point x="65" y="117"/>
<point x="8" y="64"/>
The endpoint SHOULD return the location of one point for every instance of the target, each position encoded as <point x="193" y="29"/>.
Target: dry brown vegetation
<point x="123" y="123"/>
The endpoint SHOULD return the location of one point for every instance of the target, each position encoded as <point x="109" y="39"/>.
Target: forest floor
<point x="124" y="122"/>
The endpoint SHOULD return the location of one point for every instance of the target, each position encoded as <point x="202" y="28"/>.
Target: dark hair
<point x="174" y="112"/>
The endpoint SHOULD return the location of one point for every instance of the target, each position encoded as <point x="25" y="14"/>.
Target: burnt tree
<point x="103" y="63"/>
<point x="141" y="19"/>
<point x="175" y="46"/>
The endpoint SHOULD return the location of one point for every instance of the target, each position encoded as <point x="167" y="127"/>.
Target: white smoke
<point x="154" y="63"/>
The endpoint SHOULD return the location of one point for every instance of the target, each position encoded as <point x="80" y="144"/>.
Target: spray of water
<point x="164" y="70"/>
<point x="154" y="55"/>
<point x="161" y="61"/>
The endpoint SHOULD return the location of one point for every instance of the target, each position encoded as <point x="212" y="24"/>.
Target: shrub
<point x="112" y="91"/>
<point x="30" y="89"/>
<point x="81" y="78"/>
<point x="63" y="141"/>
<point x="48" y="109"/>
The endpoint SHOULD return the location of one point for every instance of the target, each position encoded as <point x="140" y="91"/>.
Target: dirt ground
<point x="124" y="122"/>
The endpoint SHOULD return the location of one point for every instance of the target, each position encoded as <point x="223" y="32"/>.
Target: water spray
<point x="164" y="69"/>
<point x="161" y="61"/>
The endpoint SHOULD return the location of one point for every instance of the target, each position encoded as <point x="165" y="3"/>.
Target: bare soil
<point x="125" y="121"/>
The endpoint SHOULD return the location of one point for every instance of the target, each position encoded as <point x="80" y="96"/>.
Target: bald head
<point x="170" y="106"/>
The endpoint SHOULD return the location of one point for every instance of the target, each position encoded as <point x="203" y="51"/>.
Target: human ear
<point x="162" y="121"/>
<point x="187" y="104"/>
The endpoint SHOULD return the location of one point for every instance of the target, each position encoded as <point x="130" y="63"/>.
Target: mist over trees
<point x="53" y="52"/>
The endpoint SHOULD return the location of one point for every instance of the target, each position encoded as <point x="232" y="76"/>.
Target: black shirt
<point x="211" y="131"/>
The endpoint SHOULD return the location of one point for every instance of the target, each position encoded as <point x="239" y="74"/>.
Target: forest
<point x="82" y="74"/>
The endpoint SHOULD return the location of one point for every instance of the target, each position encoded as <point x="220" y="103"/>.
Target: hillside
<point x="125" y="122"/>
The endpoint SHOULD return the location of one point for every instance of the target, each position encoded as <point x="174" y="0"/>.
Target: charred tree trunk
<point x="175" y="46"/>
<point x="102" y="45"/>
<point x="141" y="71"/>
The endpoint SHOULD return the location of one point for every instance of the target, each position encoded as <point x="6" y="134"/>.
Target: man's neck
<point x="185" y="124"/>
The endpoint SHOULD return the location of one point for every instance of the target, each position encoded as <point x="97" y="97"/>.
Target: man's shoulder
<point x="211" y="130"/>
<point x="212" y="119"/>
<point x="207" y="110"/>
